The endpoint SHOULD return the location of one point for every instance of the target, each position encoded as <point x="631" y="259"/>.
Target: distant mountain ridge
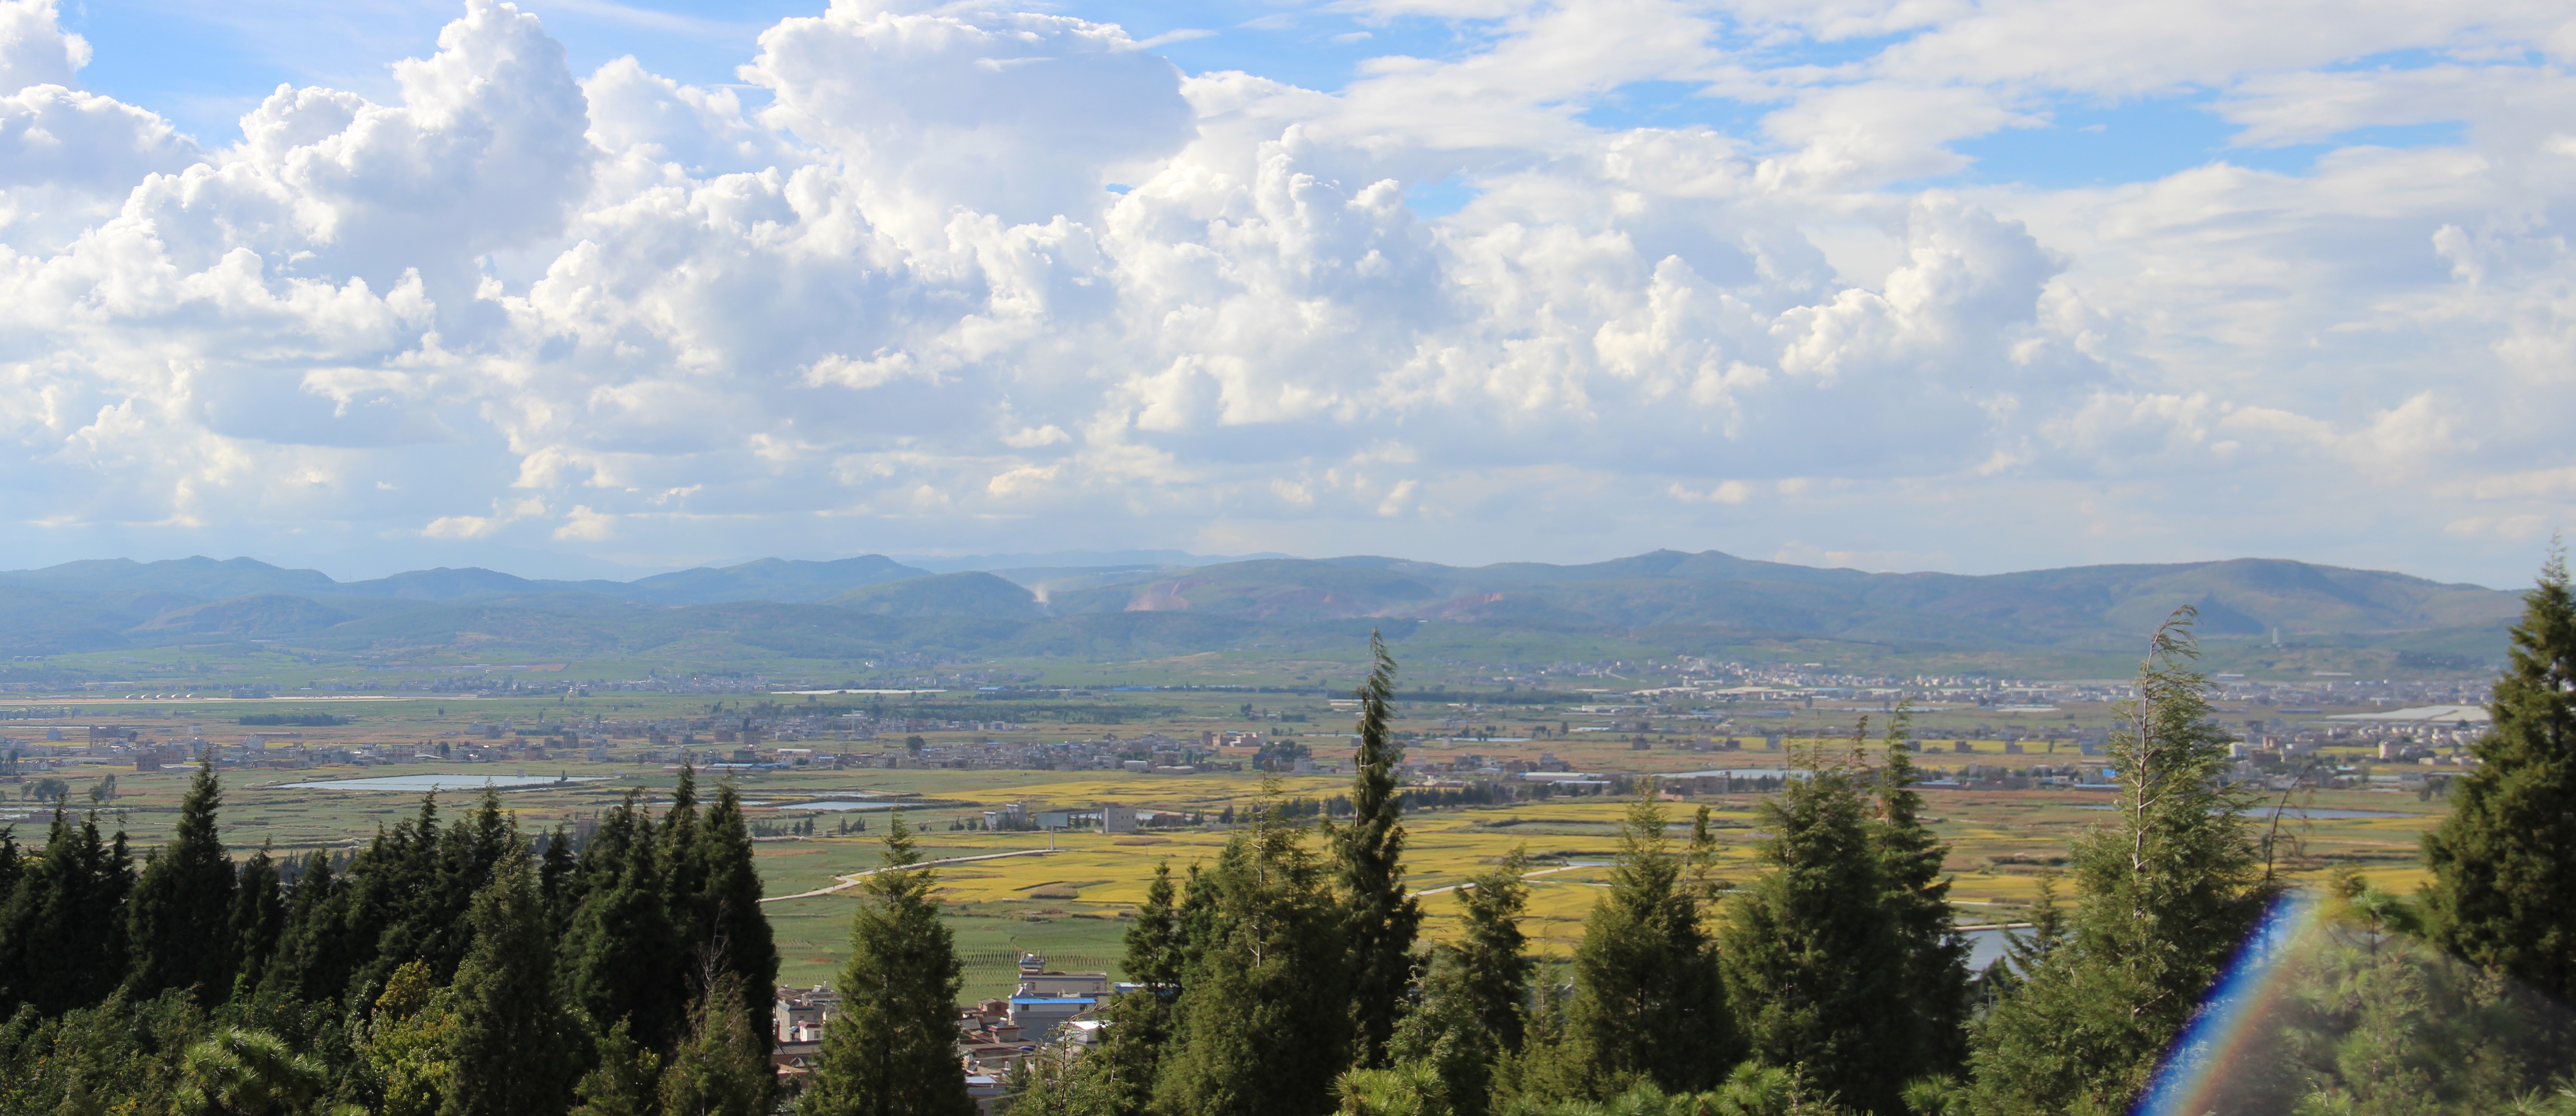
<point x="1058" y="609"/>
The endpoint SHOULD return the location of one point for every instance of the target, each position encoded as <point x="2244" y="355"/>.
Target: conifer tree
<point x="1648" y="1002"/>
<point x="556" y="868"/>
<point x="13" y="862"/>
<point x="734" y="931"/>
<point x="257" y="923"/>
<point x="62" y="932"/>
<point x="891" y="1050"/>
<point x="1472" y="1015"/>
<point x="2164" y="892"/>
<point x="722" y="1066"/>
<point x="512" y="1039"/>
<point x="1263" y="1018"/>
<point x="1813" y="963"/>
<point x="1934" y="987"/>
<point x="314" y="955"/>
<point x="384" y="884"/>
<point x="623" y="1082"/>
<point x="1379" y="920"/>
<point x="620" y="958"/>
<point x="178" y="919"/>
<point x="2503" y="894"/>
<point x="1116" y="1077"/>
<point x="449" y="871"/>
<point x="684" y="856"/>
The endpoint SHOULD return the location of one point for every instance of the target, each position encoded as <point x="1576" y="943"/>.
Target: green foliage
<point x="178" y="917"/>
<point x="722" y="1066"/>
<point x="623" y="1081"/>
<point x="1471" y="1016"/>
<point x="1933" y="987"/>
<point x="735" y="936"/>
<point x="119" y="1055"/>
<point x="1379" y="920"/>
<point x="512" y="1041"/>
<point x="1262" y="1020"/>
<point x="2165" y="891"/>
<point x="244" y="1072"/>
<point x="258" y="921"/>
<point x="408" y="1044"/>
<point x="890" y="1051"/>
<point x="2501" y="893"/>
<point x="312" y="944"/>
<point x="62" y="930"/>
<point x="1815" y="968"/>
<point x="1648" y="1004"/>
<point x="1406" y="1089"/>
<point x="620" y="958"/>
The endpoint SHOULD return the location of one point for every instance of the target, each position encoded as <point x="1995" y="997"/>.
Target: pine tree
<point x="1648" y="1002"/>
<point x="2502" y="894"/>
<point x="620" y="959"/>
<point x="257" y="923"/>
<point x="722" y="1067"/>
<point x="891" y="1051"/>
<point x="556" y="868"/>
<point x="734" y="931"/>
<point x="433" y="926"/>
<point x="511" y="1043"/>
<point x="13" y="863"/>
<point x="1813" y="963"/>
<point x="623" y="1082"/>
<point x="2164" y="892"/>
<point x="179" y="914"/>
<point x="1263" y="1018"/>
<point x="311" y="961"/>
<point x="62" y="932"/>
<point x="1472" y="1015"/>
<point x="1934" y="988"/>
<point x="684" y="854"/>
<point x="1379" y="920"/>
<point x="385" y="882"/>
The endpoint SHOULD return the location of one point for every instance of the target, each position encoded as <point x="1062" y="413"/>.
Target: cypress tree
<point x="178" y="919"/>
<point x="450" y="869"/>
<point x="2503" y="893"/>
<point x="384" y="883"/>
<point x="620" y="958"/>
<point x="13" y="863"/>
<point x="684" y="865"/>
<point x="556" y="867"/>
<point x="2164" y="892"/>
<point x="510" y="1044"/>
<point x="1379" y="920"/>
<point x="1263" y="1018"/>
<point x="1472" y="1016"/>
<point x="257" y="923"/>
<point x="1814" y="968"/>
<point x="312" y="961"/>
<point x="1934" y="987"/>
<point x="1648" y="1003"/>
<point x="62" y="932"/>
<point x="722" y="1067"/>
<point x="891" y="1051"/>
<point x="735" y="935"/>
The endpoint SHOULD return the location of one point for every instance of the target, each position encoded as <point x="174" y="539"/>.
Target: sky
<point x="589" y="288"/>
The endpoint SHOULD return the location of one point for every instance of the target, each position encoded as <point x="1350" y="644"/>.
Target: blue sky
<point x="1860" y="282"/>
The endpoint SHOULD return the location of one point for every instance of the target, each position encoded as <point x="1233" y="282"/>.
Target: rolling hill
<point x="870" y="605"/>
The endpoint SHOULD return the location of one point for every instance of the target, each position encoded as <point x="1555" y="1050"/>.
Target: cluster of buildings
<point x="1050" y="1013"/>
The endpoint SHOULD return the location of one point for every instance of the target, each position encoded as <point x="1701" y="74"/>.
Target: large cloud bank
<point x="969" y="277"/>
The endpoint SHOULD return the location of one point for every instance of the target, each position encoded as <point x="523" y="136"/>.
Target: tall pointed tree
<point x="1934" y="988"/>
<point x="512" y="1044"/>
<point x="1472" y="1016"/>
<point x="384" y="883"/>
<point x="1648" y="1003"/>
<point x="1811" y="956"/>
<point x="313" y="958"/>
<point x="683" y="864"/>
<point x="1379" y="920"/>
<point x="62" y="932"/>
<point x="620" y="958"/>
<point x="257" y="923"/>
<point x="891" y="1051"/>
<point x="732" y="930"/>
<point x="722" y="1066"/>
<point x="179" y="917"/>
<point x="2165" y="890"/>
<point x="2503" y="893"/>
<point x="1263" y="1017"/>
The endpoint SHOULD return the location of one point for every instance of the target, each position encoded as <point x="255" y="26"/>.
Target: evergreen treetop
<point x="891" y="1050"/>
<point x="1380" y="920"/>
<point x="181" y="909"/>
<point x="2503" y="893"/>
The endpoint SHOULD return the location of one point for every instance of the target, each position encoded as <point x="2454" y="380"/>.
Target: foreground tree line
<point x="472" y="971"/>
<point x="468" y="969"/>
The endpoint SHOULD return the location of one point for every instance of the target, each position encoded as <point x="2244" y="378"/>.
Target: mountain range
<point x="874" y="604"/>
